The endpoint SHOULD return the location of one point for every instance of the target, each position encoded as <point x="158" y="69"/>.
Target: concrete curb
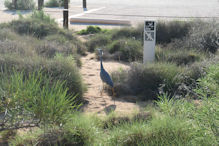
<point x="100" y="21"/>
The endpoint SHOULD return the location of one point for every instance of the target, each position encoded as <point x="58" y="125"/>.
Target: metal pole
<point x="15" y="4"/>
<point x="85" y="5"/>
<point x="65" y="14"/>
<point x="40" y="4"/>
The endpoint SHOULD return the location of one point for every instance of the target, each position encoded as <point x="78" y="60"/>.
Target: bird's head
<point x="100" y="51"/>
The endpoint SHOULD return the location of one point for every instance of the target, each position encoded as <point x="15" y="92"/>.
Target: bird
<point x="104" y="75"/>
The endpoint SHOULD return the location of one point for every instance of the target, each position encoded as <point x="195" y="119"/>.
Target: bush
<point x="99" y="40"/>
<point x="38" y="25"/>
<point x="200" y="113"/>
<point x="33" y="27"/>
<point x="126" y="50"/>
<point x="160" y="131"/>
<point x="90" y="30"/>
<point x="38" y="95"/>
<point x="178" y="56"/>
<point x="146" y="80"/>
<point x="202" y="36"/>
<point x="55" y="3"/>
<point x="78" y="130"/>
<point x="68" y="42"/>
<point x="60" y="68"/>
<point x="21" y="4"/>
<point x="167" y="31"/>
<point x="209" y="84"/>
<point x="188" y="80"/>
<point x="131" y="33"/>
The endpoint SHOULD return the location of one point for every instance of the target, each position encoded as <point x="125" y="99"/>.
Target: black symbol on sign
<point x="149" y="36"/>
<point x="149" y="25"/>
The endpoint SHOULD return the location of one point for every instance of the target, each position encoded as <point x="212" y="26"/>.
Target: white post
<point x="149" y="41"/>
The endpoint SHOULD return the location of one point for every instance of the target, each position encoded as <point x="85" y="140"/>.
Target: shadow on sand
<point x="16" y="12"/>
<point x="109" y="109"/>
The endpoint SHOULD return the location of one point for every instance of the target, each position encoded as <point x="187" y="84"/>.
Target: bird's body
<point x="105" y="77"/>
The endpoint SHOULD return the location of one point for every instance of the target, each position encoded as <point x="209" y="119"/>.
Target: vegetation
<point x="168" y="121"/>
<point x="55" y="3"/>
<point x="41" y="87"/>
<point x="56" y="55"/>
<point x="20" y="5"/>
<point x="91" y="30"/>
<point x="174" y="36"/>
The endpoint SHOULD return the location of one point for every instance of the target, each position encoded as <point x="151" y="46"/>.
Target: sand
<point x="97" y="103"/>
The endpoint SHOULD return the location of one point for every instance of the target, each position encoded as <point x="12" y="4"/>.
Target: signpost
<point x="85" y="5"/>
<point x="40" y="4"/>
<point x="149" y="41"/>
<point x="65" y="14"/>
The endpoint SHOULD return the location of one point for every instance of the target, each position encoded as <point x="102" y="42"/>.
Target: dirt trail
<point x="96" y="103"/>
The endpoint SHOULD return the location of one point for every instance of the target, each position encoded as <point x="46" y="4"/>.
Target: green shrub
<point x="90" y="30"/>
<point x="68" y="42"/>
<point x="60" y="68"/>
<point x="178" y="56"/>
<point x="79" y="129"/>
<point x="40" y="15"/>
<point x="38" y="25"/>
<point x="188" y="79"/>
<point x="209" y="84"/>
<point x="37" y="28"/>
<point x="167" y="31"/>
<point x="160" y="131"/>
<point x="146" y="80"/>
<point x="21" y="4"/>
<point x="99" y="40"/>
<point x="126" y="49"/>
<point x="131" y="33"/>
<point x="203" y="36"/>
<point x="39" y="95"/>
<point x="55" y="3"/>
<point x="202" y="116"/>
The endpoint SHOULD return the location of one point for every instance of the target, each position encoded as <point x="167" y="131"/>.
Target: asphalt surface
<point x="139" y="10"/>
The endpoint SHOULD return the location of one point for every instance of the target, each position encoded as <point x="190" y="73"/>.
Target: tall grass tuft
<point x="160" y="131"/>
<point x="37" y="94"/>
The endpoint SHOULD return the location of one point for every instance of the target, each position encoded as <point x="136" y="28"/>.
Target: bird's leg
<point x="101" y="92"/>
<point x="113" y="92"/>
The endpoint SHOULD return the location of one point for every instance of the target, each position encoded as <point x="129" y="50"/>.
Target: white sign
<point x="149" y="41"/>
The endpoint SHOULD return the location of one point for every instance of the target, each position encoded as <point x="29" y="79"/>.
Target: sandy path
<point x="96" y="103"/>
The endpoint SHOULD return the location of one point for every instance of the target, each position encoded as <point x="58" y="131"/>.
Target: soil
<point x="103" y="104"/>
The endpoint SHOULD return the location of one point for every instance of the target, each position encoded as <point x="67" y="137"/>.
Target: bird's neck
<point x="101" y="62"/>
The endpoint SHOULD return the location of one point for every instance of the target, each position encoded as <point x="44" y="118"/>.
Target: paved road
<point x="139" y="10"/>
<point x="171" y="8"/>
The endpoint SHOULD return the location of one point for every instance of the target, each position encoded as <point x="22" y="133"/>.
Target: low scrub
<point x="147" y="80"/>
<point x="55" y="3"/>
<point x="78" y="130"/>
<point x="125" y="49"/>
<point x="91" y="30"/>
<point x="36" y="96"/>
<point x="174" y="36"/>
<point x="160" y="131"/>
<point x="35" y="27"/>
<point x="20" y="5"/>
<point x="179" y="56"/>
<point x="98" y="40"/>
<point x="168" y="31"/>
<point x="59" y="68"/>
